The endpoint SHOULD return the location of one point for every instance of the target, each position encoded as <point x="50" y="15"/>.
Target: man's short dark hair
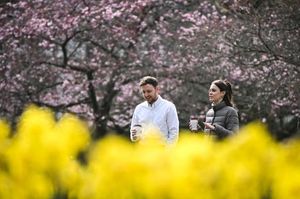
<point x="149" y="80"/>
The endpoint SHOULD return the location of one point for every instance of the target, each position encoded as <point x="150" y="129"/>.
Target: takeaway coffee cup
<point x="136" y="133"/>
<point x="194" y="123"/>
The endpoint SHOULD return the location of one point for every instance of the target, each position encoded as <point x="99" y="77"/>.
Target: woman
<point x="222" y="119"/>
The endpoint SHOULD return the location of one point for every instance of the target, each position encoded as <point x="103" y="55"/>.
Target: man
<point x="155" y="111"/>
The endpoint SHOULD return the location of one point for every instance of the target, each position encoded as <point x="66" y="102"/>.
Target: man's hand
<point x="134" y="136"/>
<point x="136" y="133"/>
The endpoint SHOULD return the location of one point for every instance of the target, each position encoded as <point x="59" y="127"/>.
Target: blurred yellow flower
<point x="41" y="161"/>
<point x="4" y="130"/>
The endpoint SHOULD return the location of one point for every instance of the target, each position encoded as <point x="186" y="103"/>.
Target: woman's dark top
<point x="224" y="118"/>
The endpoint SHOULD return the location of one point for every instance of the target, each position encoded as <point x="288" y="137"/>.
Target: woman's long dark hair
<point x="225" y="85"/>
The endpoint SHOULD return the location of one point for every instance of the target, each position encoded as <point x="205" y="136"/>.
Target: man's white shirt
<point x="162" y="114"/>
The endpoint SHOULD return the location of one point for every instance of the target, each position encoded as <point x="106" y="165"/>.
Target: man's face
<point x="150" y="93"/>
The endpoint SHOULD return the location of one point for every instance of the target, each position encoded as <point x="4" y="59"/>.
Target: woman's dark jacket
<point x="224" y="118"/>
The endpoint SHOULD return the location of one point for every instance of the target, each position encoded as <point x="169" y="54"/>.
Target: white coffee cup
<point x="193" y="123"/>
<point x="136" y="133"/>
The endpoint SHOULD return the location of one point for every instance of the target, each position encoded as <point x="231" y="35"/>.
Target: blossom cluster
<point x="48" y="158"/>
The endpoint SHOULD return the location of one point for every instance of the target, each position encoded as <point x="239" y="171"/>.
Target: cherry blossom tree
<point x="87" y="57"/>
<point x="264" y="46"/>
<point x="90" y="54"/>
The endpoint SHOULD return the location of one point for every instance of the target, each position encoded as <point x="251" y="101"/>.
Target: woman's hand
<point x="209" y="126"/>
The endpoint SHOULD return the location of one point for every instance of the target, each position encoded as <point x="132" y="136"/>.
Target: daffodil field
<point x="45" y="158"/>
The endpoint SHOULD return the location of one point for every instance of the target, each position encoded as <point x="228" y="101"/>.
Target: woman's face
<point x="215" y="95"/>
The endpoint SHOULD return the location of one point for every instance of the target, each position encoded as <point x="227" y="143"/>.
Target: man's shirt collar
<point x="156" y="103"/>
